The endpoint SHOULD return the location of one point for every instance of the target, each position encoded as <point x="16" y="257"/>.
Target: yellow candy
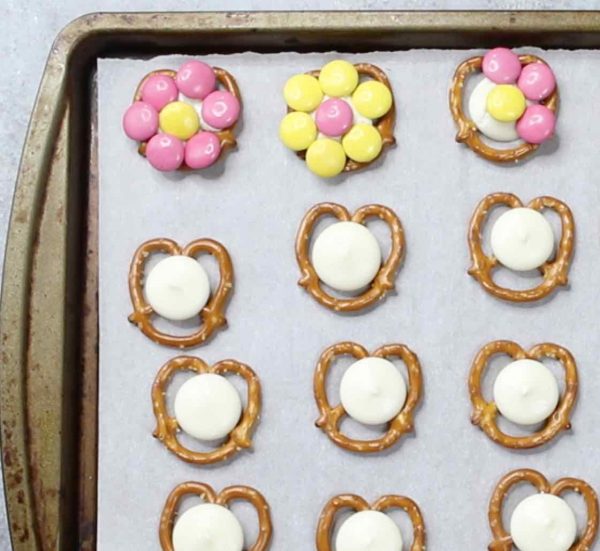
<point x="179" y="119"/>
<point x="302" y="93"/>
<point x="338" y="78"/>
<point x="372" y="99"/>
<point x="506" y="103"/>
<point x="326" y="158"/>
<point x="297" y="130"/>
<point x="362" y="143"/>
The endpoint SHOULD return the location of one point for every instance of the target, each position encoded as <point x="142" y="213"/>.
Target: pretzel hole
<point x="341" y="516"/>
<point x="248" y="517"/>
<point x="186" y="502"/>
<point x="402" y="520"/>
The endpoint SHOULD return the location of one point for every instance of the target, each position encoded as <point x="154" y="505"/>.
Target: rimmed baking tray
<point x="49" y="315"/>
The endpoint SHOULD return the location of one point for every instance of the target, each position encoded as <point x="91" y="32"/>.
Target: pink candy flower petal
<point x="501" y="66"/>
<point x="220" y="109"/>
<point x="196" y="79"/>
<point x="537" y="124"/>
<point x="334" y="117"/>
<point x="537" y="81"/>
<point x="158" y="90"/>
<point x="165" y="152"/>
<point x="202" y="150"/>
<point x="140" y="121"/>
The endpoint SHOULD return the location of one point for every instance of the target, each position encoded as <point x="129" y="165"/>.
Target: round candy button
<point x="202" y="150"/>
<point x="196" y="79"/>
<point x="486" y="124"/>
<point x="302" y="93"/>
<point x="179" y="119"/>
<point x="334" y="117"/>
<point x="537" y="124"/>
<point x="501" y="65"/>
<point x="338" y="78"/>
<point x="368" y="530"/>
<point x="158" y="90"/>
<point x="506" y="103"/>
<point x="165" y="152"/>
<point x="297" y="130"/>
<point x="221" y="109"/>
<point x="140" y="121"/>
<point x="326" y="157"/>
<point x="372" y="99"/>
<point x="537" y="81"/>
<point x="362" y="143"/>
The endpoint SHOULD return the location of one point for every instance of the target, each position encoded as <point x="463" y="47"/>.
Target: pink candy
<point x="140" y="121"/>
<point x="334" y="117"/>
<point x="220" y="109"/>
<point x="158" y="90"/>
<point x="501" y="66"/>
<point x="196" y="79"/>
<point x="165" y="152"/>
<point x="202" y="150"/>
<point x="537" y="124"/>
<point x="537" y="81"/>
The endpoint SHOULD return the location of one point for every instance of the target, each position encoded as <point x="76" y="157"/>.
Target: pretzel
<point x="502" y="539"/>
<point x="212" y="316"/>
<point x="167" y="426"/>
<point x="358" y="504"/>
<point x="468" y="132"/>
<point x="226" y="136"/>
<point x="385" y="125"/>
<point x="384" y="280"/>
<point x="485" y="413"/>
<point x="204" y="491"/>
<point x="331" y="416"/>
<point x="554" y="272"/>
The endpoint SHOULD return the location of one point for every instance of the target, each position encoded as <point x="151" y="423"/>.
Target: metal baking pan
<point x="49" y="314"/>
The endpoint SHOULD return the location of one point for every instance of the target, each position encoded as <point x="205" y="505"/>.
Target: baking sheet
<point x="253" y="205"/>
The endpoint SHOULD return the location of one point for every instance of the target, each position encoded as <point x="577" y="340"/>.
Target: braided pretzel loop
<point x="467" y="130"/>
<point x="225" y="498"/>
<point x="485" y="414"/>
<point x="226" y="136"/>
<point x="331" y="416"/>
<point x="167" y="426"/>
<point x="358" y="504"/>
<point x="554" y="272"/>
<point x="212" y="316"/>
<point x="502" y="539"/>
<point x="384" y="280"/>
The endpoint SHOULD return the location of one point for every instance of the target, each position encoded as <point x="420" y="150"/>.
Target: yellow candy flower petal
<point x="179" y="119"/>
<point x="506" y="103"/>
<point x="326" y="158"/>
<point x="297" y="130"/>
<point x="372" y="99"/>
<point x="362" y="143"/>
<point x="302" y="93"/>
<point x="338" y="78"/>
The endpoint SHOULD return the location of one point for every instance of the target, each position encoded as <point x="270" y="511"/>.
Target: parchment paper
<point x="253" y="205"/>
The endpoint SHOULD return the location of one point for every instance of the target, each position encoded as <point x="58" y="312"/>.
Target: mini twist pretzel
<point x="212" y="316"/>
<point x="502" y="539"/>
<point x="384" y="280"/>
<point x="358" y="504"/>
<point x="226" y="136"/>
<point x="228" y="495"/>
<point x="331" y="416"/>
<point x="467" y="131"/>
<point x="485" y="413"/>
<point x="554" y="272"/>
<point x="167" y="426"/>
<point x="385" y="125"/>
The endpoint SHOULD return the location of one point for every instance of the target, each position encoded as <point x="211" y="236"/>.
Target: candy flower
<point x="339" y="118"/>
<point x="184" y="119"/>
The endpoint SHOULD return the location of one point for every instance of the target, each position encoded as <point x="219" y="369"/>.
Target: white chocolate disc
<point x="373" y="391"/>
<point x="177" y="288"/>
<point x="543" y="522"/>
<point x="526" y="392"/>
<point x="208" y="527"/>
<point x="207" y="406"/>
<point x="368" y="531"/>
<point x="485" y="123"/>
<point x="346" y="256"/>
<point x="522" y="239"/>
